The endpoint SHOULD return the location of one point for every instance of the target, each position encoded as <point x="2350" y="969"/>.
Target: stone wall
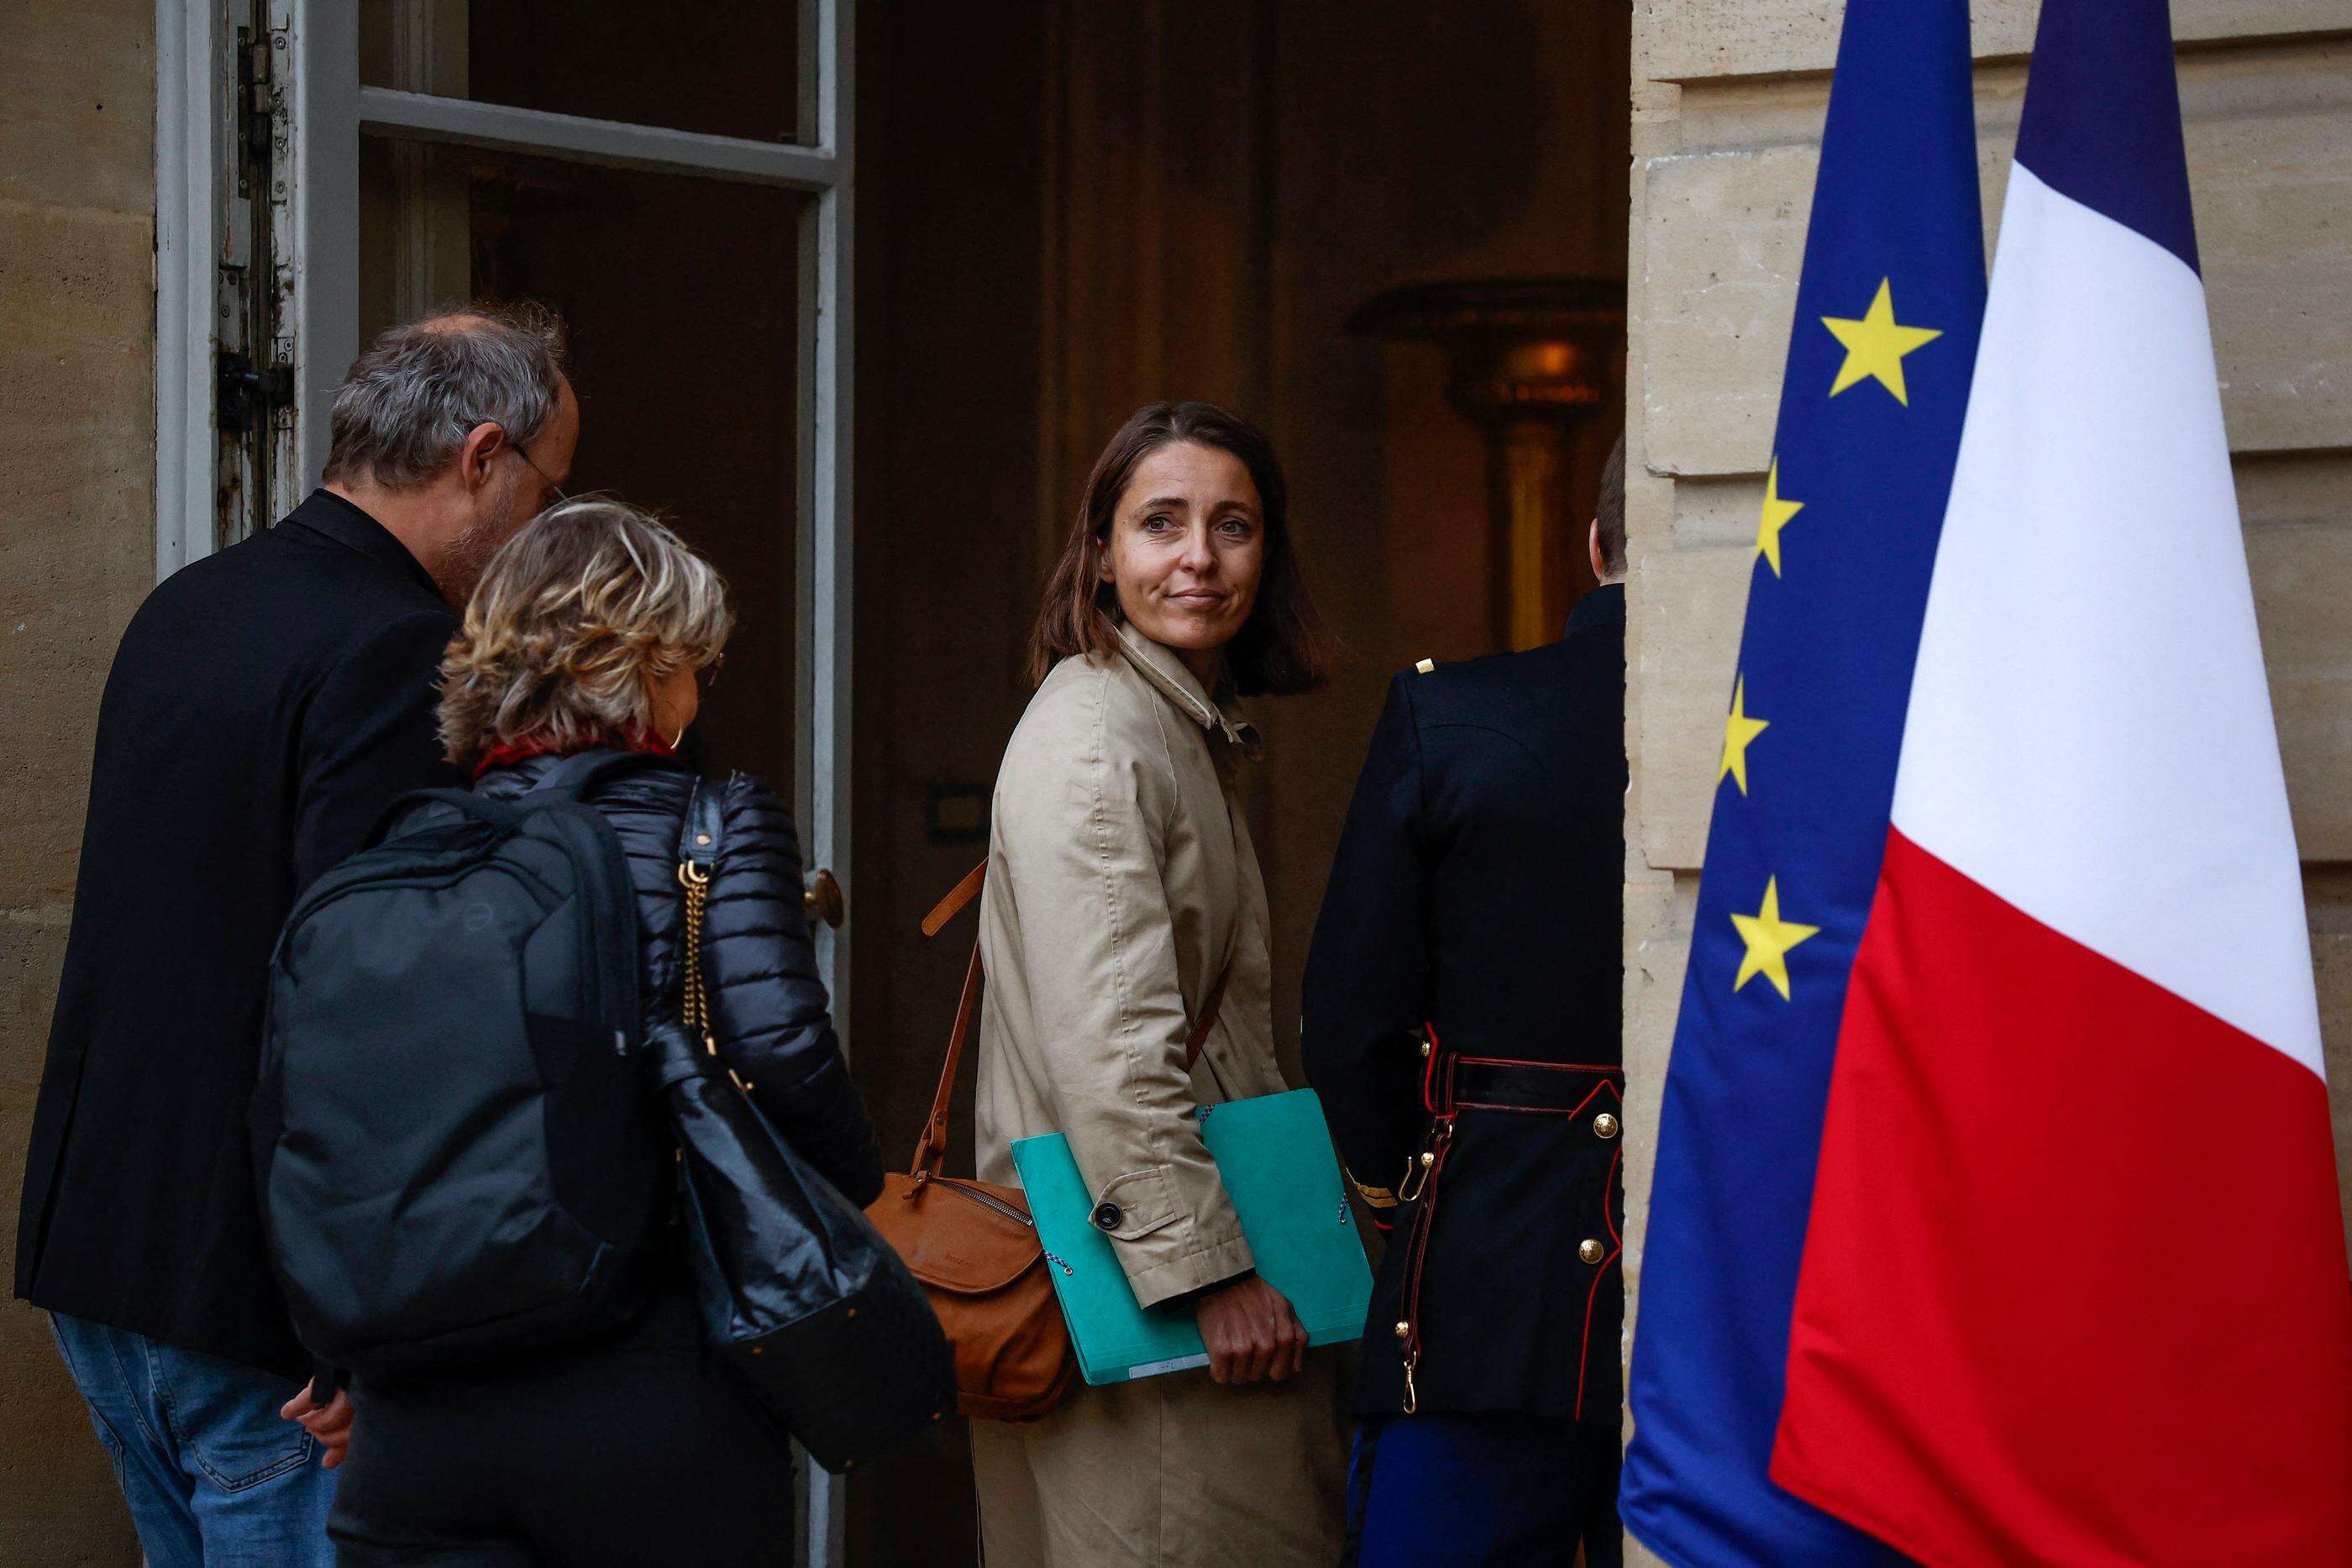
<point x="76" y="553"/>
<point x="1728" y="100"/>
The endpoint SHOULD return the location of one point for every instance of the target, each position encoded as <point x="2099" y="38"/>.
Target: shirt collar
<point x="328" y="514"/>
<point x="1164" y="670"/>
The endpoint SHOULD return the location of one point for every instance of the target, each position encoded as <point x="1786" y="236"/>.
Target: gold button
<point x="1604" y="1125"/>
<point x="1589" y="1250"/>
<point x="1404" y="1330"/>
<point x="1428" y="1158"/>
<point x="1424" y="1048"/>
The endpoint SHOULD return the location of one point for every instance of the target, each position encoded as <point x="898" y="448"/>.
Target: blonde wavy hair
<point x="576" y="617"/>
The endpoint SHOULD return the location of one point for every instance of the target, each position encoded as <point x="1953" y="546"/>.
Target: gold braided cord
<point x="694" y="1003"/>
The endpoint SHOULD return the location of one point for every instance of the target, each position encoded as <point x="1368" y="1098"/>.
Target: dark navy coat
<point x="1476" y="898"/>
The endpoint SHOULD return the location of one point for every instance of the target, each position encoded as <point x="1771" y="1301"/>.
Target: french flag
<point x="2003" y="1227"/>
<point x="2075" y="1288"/>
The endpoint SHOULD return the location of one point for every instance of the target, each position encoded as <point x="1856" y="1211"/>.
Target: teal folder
<point x="1276" y="1156"/>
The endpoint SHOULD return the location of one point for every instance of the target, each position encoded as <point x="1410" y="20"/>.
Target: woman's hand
<point x="1251" y="1334"/>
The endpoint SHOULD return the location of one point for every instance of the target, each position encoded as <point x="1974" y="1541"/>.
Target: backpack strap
<point x="499" y="814"/>
<point x="567" y="780"/>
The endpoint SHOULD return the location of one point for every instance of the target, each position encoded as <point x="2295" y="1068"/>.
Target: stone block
<point x="1693" y="40"/>
<point x="2327" y="894"/>
<point x="62" y="1506"/>
<point x="2298" y="521"/>
<point x="80" y="85"/>
<point x="76" y="462"/>
<point x="1683" y="641"/>
<point x="1659" y="909"/>
<point x="1722" y="238"/>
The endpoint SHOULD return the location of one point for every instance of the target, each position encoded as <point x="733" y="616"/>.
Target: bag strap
<point x="698" y="835"/>
<point x="963" y="892"/>
<point x="931" y="1148"/>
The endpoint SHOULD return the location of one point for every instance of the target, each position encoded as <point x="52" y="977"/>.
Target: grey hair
<point x="410" y="400"/>
<point x="576" y="619"/>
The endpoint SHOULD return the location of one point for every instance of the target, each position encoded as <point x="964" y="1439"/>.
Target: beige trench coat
<point x="1121" y="880"/>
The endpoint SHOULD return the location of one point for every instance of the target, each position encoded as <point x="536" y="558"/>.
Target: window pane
<point x="725" y="67"/>
<point x="681" y="298"/>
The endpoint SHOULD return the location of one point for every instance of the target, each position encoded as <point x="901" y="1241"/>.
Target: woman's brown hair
<point x="1278" y="651"/>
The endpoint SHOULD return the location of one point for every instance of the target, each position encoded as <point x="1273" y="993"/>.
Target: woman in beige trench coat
<point x="1121" y="885"/>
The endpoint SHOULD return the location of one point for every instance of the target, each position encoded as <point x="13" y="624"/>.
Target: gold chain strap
<point x="694" y="1002"/>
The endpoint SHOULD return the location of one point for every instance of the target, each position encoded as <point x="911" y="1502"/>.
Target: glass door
<point x="676" y="182"/>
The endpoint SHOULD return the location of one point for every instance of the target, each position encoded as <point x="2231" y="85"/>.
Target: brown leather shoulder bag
<point x="971" y="1243"/>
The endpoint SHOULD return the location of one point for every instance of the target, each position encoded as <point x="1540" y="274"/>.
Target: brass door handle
<point x="821" y="896"/>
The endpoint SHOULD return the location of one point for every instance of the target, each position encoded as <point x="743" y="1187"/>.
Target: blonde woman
<point x="590" y="630"/>
<point x="1121" y="886"/>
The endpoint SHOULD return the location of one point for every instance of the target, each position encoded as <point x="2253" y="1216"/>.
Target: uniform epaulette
<point x="1378" y="1197"/>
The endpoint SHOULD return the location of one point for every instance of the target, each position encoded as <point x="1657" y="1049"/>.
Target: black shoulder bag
<point x="798" y="1291"/>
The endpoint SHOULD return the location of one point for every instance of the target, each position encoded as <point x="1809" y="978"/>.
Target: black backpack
<point x="454" y="1147"/>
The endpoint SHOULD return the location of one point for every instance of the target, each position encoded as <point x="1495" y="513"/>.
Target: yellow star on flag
<point x="1768" y="938"/>
<point x="1774" y="517"/>
<point x="1875" y="346"/>
<point x="1737" y="731"/>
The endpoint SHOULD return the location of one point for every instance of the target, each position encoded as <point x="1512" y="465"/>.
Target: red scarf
<point x="508" y="753"/>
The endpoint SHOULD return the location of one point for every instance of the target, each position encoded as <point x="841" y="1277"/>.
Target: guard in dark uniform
<point x="1461" y="1024"/>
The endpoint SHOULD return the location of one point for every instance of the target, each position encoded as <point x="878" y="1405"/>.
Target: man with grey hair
<point x="264" y="706"/>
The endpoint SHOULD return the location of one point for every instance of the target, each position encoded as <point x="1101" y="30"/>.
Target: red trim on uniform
<point x="1600" y="1271"/>
<point x="1548" y="1066"/>
<point x="1442" y="1110"/>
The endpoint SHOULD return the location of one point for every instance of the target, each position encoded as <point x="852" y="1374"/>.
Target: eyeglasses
<point x="517" y="448"/>
<point x="553" y="488"/>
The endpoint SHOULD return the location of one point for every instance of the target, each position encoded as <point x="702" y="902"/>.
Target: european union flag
<point x="1880" y="359"/>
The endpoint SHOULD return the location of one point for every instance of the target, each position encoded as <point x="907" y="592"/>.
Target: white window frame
<point x="327" y="110"/>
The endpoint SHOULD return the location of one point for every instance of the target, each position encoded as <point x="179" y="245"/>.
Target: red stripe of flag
<point x="2076" y="1288"/>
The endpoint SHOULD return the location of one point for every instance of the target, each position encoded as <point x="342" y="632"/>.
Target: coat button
<point x="1591" y="1251"/>
<point x="1404" y="1330"/>
<point x="1107" y="1216"/>
<point x="1604" y="1125"/>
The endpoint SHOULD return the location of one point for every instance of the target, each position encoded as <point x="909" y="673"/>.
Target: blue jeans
<point x="215" y="1477"/>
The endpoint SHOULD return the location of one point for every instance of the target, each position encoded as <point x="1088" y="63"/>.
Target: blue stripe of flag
<point x="1825" y="660"/>
<point x="2102" y="123"/>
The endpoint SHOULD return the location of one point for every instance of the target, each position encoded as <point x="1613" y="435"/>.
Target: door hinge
<point x="256" y="91"/>
<point x="244" y="391"/>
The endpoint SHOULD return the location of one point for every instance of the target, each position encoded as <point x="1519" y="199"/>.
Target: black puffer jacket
<point x="773" y="1019"/>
